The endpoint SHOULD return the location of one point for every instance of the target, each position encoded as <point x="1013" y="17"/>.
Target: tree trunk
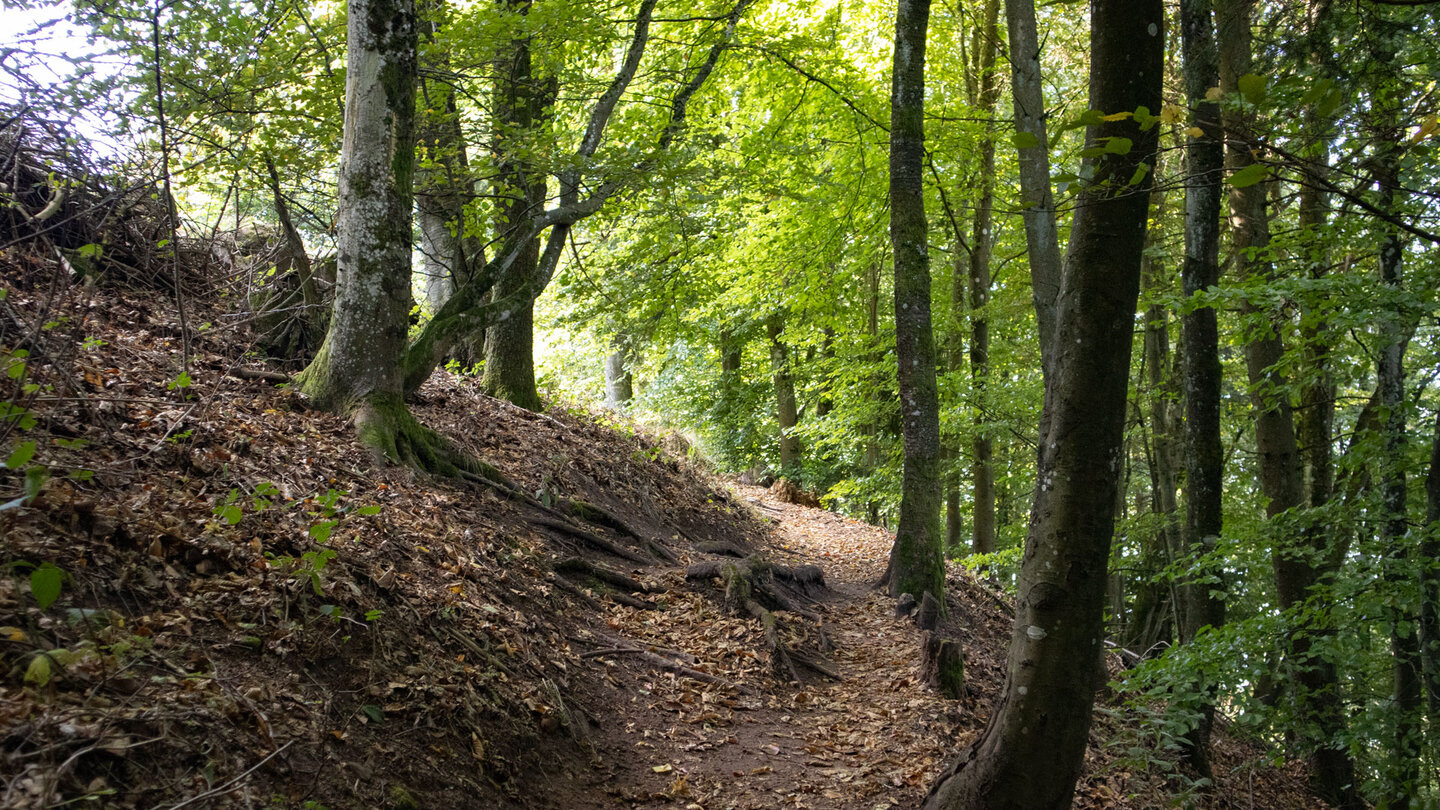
<point x="1031" y="753"/>
<point x="443" y="184"/>
<point x="1153" y="602"/>
<point x="1038" y="202"/>
<point x="1402" y="776"/>
<point x="358" y="367"/>
<point x="1204" y="454"/>
<point x="522" y="100"/>
<point x="987" y="46"/>
<point x="1430" y="579"/>
<point x="916" y="565"/>
<point x="787" y="409"/>
<point x="619" y="381"/>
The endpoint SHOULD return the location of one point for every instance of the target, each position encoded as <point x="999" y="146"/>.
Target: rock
<point x="904" y="606"/>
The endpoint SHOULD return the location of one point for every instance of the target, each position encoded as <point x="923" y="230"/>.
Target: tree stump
<point x="942" y="665"/>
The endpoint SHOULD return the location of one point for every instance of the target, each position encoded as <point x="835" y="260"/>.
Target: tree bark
<point x="358" y="367"/>
<point x="1402" y="776"/>
<point x="443" y="183"/>
<point x="1031" y="753"/>
<point x="787" y="410"/>
<point x="1041" y="233"/>
<point x="987" y="47"/>
<point x="916" y="565"/>
<point x="522" y="101"/>
<point x="619" y="381"/>
<point x="1200" y="273"/>
<point x="1302" y="565"/>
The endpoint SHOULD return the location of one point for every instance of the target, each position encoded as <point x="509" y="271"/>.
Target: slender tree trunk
<point x="521" y="102"/>
<point x="1204" y="454"/>
<point x="787" y="410"/>
<point x="987" y="47"/>
<point x="916" y="565"/>
<point x="1430" y="579"/>
<point x="1041" y="233"/>
<point x="1153" y="602"/>
<point x="357" y="369"/>
<point x="619" y="381"/>
<point x="443" y="183"/>
<point x="1031" y="753"/>
<point x="1403" y="774"/>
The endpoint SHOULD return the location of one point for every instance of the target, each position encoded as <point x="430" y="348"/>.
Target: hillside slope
<point x="254" y="612"/>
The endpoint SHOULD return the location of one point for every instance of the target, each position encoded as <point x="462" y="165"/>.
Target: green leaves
<point x="1253" y="88"/>
<point x="1249" y="176"/>
<point x="45" y="584"/>
<point x="21" y="456"/>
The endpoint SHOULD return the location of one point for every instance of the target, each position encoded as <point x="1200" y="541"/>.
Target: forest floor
<point x="214" y="598"/>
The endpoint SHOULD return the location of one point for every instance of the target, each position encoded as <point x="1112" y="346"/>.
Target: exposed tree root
<point x="590" y="513"/>
<point x="668" y="665"/>
<point x="576" y="565"/>
<point x="755" y="587"/>
<point x="593" y="540"/>
<point x="722" y="548"/>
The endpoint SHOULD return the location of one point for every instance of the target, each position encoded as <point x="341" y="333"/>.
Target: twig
<point x="226" y="787"/>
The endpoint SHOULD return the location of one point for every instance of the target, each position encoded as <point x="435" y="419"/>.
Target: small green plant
<point x="181" y="382"/>
<point x="326" y="513"/>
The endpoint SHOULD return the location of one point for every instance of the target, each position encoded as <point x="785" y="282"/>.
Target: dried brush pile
<point x="59" y="200"/>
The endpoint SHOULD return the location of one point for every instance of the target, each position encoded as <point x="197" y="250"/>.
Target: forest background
<point x="713" y="196"/>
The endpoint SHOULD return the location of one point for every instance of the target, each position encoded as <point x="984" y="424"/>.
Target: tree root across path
<point x="755" y="587"/>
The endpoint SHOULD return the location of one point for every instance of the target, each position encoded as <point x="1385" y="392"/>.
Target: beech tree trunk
<point x="1204" y="454"/>
<point x="1402" y="776"/>
<point x="522" y="100"/>
<point x="1038" y="202"/>
<point x="982" y="466"/>
<point x="619" y="381"/>
<point x="916" y="566"/>
<point x="1031" y="753"/>
<point x="357" y="369"/>
<point x="787" y="409"/>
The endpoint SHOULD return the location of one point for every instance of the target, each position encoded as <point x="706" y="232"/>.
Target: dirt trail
<point x="868" y="741"/>
<point x="875" y="739"/>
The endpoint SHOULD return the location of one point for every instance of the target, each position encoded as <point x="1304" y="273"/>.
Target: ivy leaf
<point x="1024" y="140"/>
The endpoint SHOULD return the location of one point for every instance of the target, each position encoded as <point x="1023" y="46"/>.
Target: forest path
<point x="871" y="741"/>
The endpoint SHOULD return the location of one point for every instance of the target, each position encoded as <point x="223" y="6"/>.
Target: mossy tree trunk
<point x="521" y="110"/>
<point x="1204" y="455"/>
<point x="1031" y="754"/>
<point x="982" y="465"/>
<point x="357" y="370"/>
<point x="916" y="566"/>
